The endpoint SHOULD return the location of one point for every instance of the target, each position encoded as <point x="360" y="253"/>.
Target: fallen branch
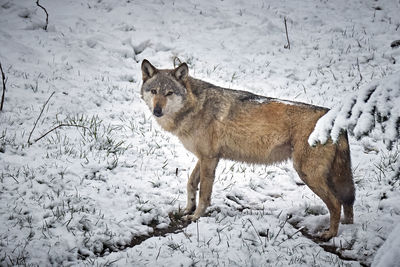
<point x="41" y="112"/>
<point x="47" y="14"/>
<point x="4" y="87"/>
<point x="287" y="46"/>
<point x="59" y="126"/>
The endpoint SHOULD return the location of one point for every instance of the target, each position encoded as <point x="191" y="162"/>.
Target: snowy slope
<point x="88" y="192"/>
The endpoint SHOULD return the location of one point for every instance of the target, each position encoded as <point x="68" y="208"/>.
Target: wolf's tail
<point x="341" y="178"/>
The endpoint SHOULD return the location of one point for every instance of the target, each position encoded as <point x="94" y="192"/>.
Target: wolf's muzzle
<point x="157" y="111"/>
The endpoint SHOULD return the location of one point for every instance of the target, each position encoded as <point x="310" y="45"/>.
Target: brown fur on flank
<point x="217" y="123"/>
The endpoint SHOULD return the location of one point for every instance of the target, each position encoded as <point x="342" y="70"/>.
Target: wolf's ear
<point x="182" y="72"/>
<point x="148" y="70"/>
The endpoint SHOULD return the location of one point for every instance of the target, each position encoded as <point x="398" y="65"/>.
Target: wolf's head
<point x="164" y="91"/>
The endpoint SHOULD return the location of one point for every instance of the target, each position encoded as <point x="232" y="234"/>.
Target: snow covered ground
<point x="92" y="190"/>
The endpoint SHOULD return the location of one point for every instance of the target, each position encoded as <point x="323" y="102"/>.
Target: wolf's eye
<point x="154" y="92"/>
<point x="169" y="93"/>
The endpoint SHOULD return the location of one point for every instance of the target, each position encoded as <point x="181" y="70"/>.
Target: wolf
<point x="218" y="123"/>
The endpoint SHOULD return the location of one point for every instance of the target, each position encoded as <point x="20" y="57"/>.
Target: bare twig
<point x="45" y="11"/>
<point x="287" y="46"/>
<point x="4" y="87"/>
<point x="177" y="61"/>
<point x="59" y="126"/>
<point x="41" y="112"/>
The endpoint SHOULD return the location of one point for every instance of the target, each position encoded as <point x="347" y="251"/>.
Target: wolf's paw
<point x="192" y="218"/>
<point x="327" y="235"/>
<point x="189" y="210"/>
<point x="348" y="221"/>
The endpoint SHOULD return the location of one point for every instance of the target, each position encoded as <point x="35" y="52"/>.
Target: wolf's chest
<point x="189" y="143"/>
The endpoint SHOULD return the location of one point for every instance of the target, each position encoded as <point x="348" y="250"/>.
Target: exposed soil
<point x="177" y="225"/>
<point x="328" y="247"/>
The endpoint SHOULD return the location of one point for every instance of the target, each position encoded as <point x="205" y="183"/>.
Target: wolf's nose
<point x="157" y="111"/>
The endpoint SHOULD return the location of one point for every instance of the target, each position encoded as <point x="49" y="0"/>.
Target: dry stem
<point x="59" y="126"/>
<point x="4" y="87"/>
<point x="41" y="112"/>
<point x="287" y="35"/>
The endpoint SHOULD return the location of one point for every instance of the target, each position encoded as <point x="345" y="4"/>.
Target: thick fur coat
<point x="217" y="123"/>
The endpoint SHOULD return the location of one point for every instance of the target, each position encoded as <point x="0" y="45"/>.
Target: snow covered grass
<point x="106" y="185"/>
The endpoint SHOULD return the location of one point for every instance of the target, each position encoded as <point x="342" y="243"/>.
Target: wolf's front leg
<point x="192" y="186"/>
<point x="207" y="174"/>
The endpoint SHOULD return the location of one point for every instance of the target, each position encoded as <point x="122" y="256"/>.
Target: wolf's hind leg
<point x="334" y="208"/>
<point x="207" y="174"/>
<point x="192" y="187"/>
<point x="314" y="174"/>
<point x="348" y="214"/>
<point x="330" y="200"/>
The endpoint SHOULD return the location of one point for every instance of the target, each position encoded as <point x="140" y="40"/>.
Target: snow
<point x="96" y="193"/>
<point x="374" y="108"/>
<point x="388" y="254"/>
